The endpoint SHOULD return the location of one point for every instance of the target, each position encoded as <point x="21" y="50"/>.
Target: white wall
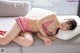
<point x="61" y="7"/>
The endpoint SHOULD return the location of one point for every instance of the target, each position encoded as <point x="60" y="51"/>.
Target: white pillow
<point x="65" y="35"/>
<point x="38" y="13"/>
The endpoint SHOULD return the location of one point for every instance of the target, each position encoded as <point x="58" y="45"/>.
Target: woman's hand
<point x="47" y="41"/>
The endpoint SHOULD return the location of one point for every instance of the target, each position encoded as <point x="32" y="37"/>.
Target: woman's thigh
<point x="25" y="39"/>
<point x="11" y="34"/>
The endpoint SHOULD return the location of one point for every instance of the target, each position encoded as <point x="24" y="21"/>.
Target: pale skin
<point x="26" y="39"/>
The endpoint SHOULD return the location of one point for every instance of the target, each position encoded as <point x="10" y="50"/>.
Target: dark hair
<point x="72" y="24"/>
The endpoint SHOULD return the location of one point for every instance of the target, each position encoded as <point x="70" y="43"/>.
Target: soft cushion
<point x="65" y="35"/>
<point x="38" y="13"/>
<point x="14" y="8"/>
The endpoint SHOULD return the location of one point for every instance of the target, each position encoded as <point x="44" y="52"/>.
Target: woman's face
<point x="64" y="25"/>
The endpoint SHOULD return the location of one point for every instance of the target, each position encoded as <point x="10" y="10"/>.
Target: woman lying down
<point x="46" y="29"/>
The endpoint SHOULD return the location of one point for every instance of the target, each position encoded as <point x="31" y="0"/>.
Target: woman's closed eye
<point x="68" y="25"/>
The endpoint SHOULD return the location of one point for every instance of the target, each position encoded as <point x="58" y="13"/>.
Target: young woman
<point x="46" y="29"/>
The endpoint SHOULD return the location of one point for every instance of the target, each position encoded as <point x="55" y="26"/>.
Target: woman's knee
<point x="28" y="38"/>
<point x="30" y="43"/>
<point x="27" y="43"/>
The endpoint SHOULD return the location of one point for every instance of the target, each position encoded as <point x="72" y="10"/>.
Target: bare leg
<point x="25" y="39"/>
<point x="10" y="35"/>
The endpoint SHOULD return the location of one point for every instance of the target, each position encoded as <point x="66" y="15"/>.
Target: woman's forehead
<point x="66" y="20"/>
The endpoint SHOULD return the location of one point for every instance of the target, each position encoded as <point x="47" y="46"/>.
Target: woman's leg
<point x="26" y="39"/>
<point x="10" y="35"/>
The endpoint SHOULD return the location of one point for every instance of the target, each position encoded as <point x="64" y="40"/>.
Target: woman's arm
<point x="47" y="41"/>
<point x="40" y="36"/>
<point x="53" y="38"/>
<point x="42" y="21"/>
